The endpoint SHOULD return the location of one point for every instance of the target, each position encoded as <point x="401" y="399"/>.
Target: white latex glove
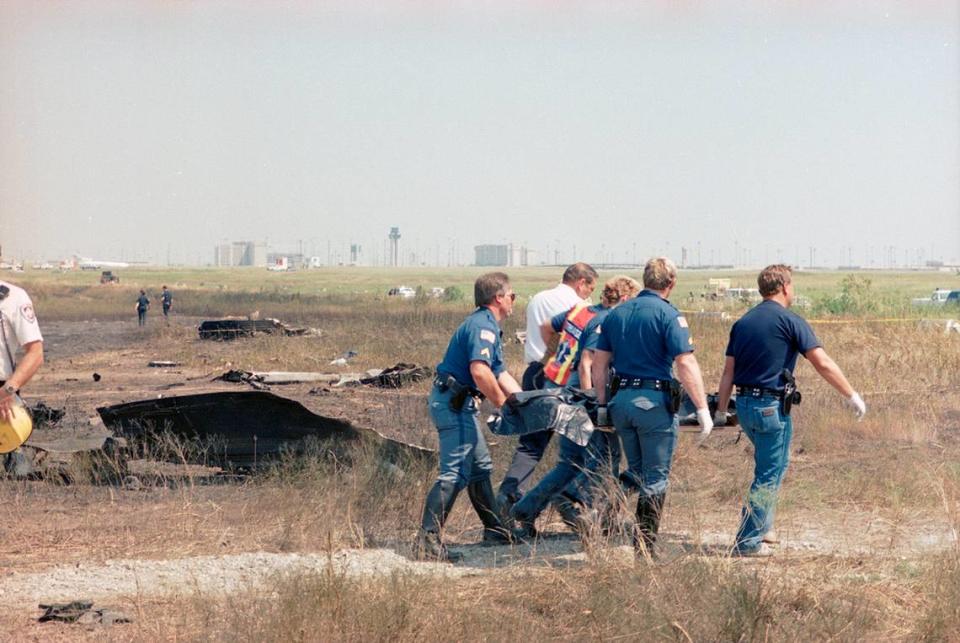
<point x="706" y="424"/>
<point x="857" y="404"/>
<point x="720" y="418"/>
<point x="603" y="418"/>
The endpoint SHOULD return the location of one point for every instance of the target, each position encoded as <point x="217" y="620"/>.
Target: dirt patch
<point x="201" y="574"/>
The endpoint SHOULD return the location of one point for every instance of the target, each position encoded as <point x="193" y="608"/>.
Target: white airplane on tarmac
<point x="86" y="263"/>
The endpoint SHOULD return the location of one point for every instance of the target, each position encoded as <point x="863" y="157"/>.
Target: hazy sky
<point x="155" y="129"/>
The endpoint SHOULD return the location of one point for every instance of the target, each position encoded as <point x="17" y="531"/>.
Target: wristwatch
<point x="9" y="390"/>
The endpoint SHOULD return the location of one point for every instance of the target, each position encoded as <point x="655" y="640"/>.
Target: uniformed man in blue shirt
<point x="643" y="339"/>
<point x="472" y="367"/>
<point x="166" y="298"/>
<point x="760" y="358"/>
<point x="143" y="303"/>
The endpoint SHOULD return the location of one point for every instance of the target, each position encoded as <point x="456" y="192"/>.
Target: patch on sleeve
<point x="485" y="352"/>
<point x="682" y="321"/>
<point x="26" y="311"/>
<point x="599" y="330"/>
<point x="488" y="336"/>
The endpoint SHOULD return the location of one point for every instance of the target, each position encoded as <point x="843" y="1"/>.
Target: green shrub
<point x="453" y="293"/>
<point x="856" y="298"/>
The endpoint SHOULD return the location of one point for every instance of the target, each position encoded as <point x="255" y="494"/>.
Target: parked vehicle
<point x="939" y="297"/>
<point x="404" y="292"/>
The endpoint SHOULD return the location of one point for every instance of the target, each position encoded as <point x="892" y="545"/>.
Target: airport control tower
<point x="394" y="247"/>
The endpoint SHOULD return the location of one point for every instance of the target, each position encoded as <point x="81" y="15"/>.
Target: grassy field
<point x="297" y="295"/>
<point x="870" y="510"/>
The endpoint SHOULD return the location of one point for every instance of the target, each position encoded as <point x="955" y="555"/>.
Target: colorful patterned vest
<point x="558" y="368"/>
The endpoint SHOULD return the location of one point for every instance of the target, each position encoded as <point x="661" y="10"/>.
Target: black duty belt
<point x="643" y="382"/>
<point x="446" y="383"/>
<point x="757" y="391"/>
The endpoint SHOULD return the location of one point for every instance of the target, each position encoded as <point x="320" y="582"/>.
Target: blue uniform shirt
<point x="590" y="335"/>
<point x="645" y="335"/>
<point x="477" y="339"/>
<point x="142" y="302"/>
<point x="766" y="340"/>
<point x="167" y="297"/>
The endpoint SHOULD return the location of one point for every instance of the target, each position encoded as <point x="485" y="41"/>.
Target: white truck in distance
<point x="938" y="298"/>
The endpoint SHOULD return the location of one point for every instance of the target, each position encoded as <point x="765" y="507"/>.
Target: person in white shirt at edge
<point x="18" y="331"/>
<point x="579" y="281"/>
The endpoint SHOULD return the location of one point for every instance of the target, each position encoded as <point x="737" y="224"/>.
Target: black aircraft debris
<point x="226" y="329"/>
<point x="245" y="429"/>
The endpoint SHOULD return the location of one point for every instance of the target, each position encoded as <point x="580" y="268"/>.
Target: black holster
<point x="675" y="397"/>
<point x="614" y="386"/>
<point x="791" y="395"/>
<point x="460" y="392"/>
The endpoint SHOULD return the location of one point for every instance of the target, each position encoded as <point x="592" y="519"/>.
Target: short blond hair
<point x="659" y="273"/>
<point x="774" y="278"/>
<point x="617" y="288"/>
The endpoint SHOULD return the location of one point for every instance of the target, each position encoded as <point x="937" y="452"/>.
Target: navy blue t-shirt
<point x="142" y="302"/>
<point x="477" y="339"/>
<point x="645" y="335"/>
<point x="766" y="340"/>
<point x="167" y="297"/>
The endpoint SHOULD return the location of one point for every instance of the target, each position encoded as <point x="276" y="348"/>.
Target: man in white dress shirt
<point x="578" y="283"/>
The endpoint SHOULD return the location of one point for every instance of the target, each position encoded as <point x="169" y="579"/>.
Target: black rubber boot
<point x="524" y="530"/>
<point x="571" y="514"/>
<point x="649" y="509"/>
<point x="485" y="504"/>
<point x="505" y="502"/>
<point x="436" y="508"/>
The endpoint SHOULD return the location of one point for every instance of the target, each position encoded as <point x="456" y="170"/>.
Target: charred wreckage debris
<point x="232" y="328"/>
<point x="237" y="431"/>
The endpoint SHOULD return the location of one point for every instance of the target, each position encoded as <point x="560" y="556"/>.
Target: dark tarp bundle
<point x="562" y="410"/>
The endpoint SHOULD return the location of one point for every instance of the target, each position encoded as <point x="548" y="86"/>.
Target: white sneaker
<point x="763" y="551"/>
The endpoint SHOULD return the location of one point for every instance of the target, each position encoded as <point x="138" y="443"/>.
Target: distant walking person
<point x="143" y="303"/>
<point x="579" y="280"/>
<point x="472" y="368"/>
<point x="166" y="298"/>
<point x="761" y="355"/>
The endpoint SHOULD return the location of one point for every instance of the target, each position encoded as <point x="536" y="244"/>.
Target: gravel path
<point x="201" y="574"/>
<point x="232" y="573"/>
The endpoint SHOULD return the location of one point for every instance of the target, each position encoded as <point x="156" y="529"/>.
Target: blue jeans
<point x="648" y="432"/>
<point x="568" y="466"/>
<point x="141" y="317"/>
<point x="464" y="456"/>
<point x="770" y="432"/>
<point x="601" y="461"/>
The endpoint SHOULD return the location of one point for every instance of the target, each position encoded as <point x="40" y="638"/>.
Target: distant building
<point x="240" y="253"/>
<point x="509" y="255"/>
